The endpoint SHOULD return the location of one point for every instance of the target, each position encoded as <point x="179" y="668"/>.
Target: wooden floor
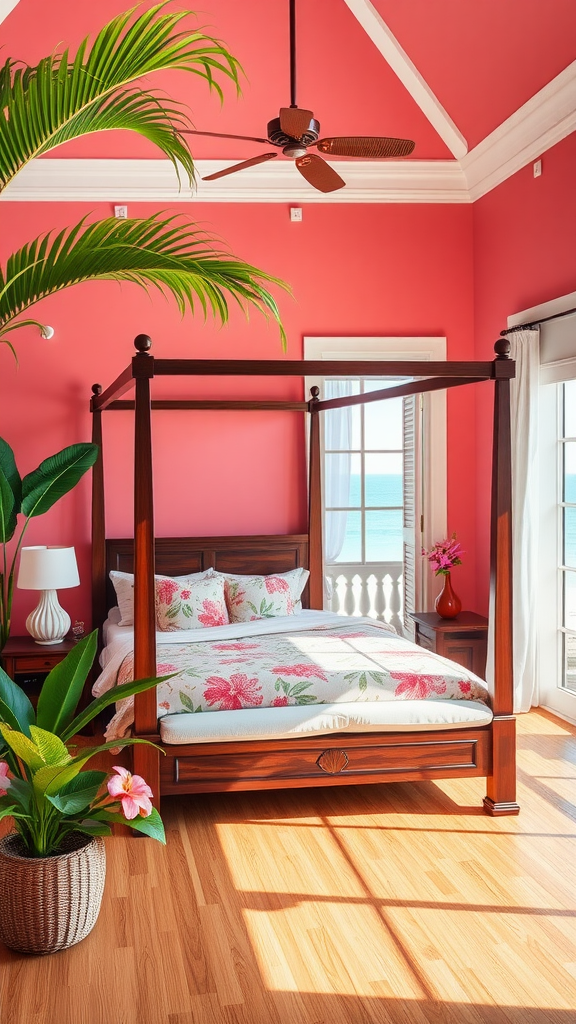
<point x="355" y="905"/>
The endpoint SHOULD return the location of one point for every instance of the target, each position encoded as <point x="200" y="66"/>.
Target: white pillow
<point x="124" y="587"/>
<point x="295" y="578"/>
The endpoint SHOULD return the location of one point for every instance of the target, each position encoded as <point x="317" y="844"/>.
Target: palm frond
<point x="167" y="253"/>
<point x="64" y="97"/>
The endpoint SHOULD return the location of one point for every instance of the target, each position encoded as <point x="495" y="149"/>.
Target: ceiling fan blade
<point x="219" y="135"/>
<point x="241" y="166"/>
<point x="318" y="173"/>
<point x="294" y="121"/>
<point x="372" y="148"/>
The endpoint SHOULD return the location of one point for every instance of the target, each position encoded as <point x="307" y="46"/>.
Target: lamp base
<point x="48" y="623"/>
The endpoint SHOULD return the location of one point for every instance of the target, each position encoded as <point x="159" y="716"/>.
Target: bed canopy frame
<point x="368" y="757"/>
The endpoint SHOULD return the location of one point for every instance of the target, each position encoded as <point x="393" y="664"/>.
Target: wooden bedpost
<point x="98" y="519"/>
<point x="316" y="560"/>
<point x="146" y="759"/>
<point x="501" y="783"/>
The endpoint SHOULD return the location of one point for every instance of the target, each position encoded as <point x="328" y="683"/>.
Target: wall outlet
<point x="295" y="213"/>
<point x="537" y="167"/>
<point x="121" y="212"/>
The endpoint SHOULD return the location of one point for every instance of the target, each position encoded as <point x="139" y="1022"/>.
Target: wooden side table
<point x="463" y="639"/>
<point x="28" y="663"/>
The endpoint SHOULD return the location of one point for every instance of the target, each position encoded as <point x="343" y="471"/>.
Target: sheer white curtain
<point x="337" y="436"/>
<point x="525" y="350"/>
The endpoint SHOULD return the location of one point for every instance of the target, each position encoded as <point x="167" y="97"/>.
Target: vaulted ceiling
<point x="481" y="87"/>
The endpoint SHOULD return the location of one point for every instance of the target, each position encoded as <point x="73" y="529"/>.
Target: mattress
<point x="310" y="673"/>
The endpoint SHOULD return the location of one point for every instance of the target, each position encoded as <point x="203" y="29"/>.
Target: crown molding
<point x="377" y="30"/>
<point x="6" y="6"/>
<point x="547" y="118"/>
<point x="123" y="181"/>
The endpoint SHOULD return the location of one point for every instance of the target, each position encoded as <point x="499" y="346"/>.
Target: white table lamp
<point x="48" y="569"/>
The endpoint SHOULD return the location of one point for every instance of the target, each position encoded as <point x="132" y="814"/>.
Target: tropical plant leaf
<point x="166" y="252"/>
<point x="92" y="828"/>
<point x="15" y="707"/>
<point x="150" y="826"/>
<point x="63" y="686"/>
<point x="50" y="747"/>
<point x="20" y="791"/>
<point x="64" y="97"/>
<point x="78" y="793"/>
<point x="55" y="476"/>
<point x="23" y="747"/>
<point x="10" y="492"/>
<point x="50" y="779"/>
<point x="113" y="695"/>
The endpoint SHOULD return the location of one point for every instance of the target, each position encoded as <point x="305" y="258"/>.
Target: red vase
<point x="448" y="604"/>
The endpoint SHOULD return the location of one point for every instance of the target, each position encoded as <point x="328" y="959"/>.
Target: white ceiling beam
<point x="5" y="7"/>
<point x="544" y="120"/>
<point x="154" y="181"/>
<point x="378" y="31"/>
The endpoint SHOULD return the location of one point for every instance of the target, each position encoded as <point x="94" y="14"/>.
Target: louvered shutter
<point x="412" y="511"/>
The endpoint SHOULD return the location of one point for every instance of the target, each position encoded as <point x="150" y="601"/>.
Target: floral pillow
<point x="258" y="597"/>
<point x="190" y="604"/>
<point x="124" y="588"/>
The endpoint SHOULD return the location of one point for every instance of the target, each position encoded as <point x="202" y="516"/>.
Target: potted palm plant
<point x="52" y="866"/>
<point x="66" y="96"/>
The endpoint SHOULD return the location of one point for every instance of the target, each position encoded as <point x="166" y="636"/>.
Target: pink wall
<point x="353" y="269"/>
<point x="524" y="254"/>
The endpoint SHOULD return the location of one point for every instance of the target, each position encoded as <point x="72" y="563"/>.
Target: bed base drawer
<point x="335" y="760"/>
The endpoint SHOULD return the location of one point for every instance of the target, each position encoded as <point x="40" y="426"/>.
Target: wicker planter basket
<point x="50" y="903"/>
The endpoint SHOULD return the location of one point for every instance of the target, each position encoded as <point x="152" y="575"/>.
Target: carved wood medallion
<point x="333" y="761"/>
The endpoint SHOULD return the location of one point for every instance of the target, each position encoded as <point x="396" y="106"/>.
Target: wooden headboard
<point x="175" y="556"/>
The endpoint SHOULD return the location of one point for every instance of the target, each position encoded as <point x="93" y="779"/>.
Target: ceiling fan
<point x="296" y="130"/>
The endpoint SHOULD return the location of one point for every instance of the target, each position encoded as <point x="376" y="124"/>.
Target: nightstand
<point x="463" y="639"/>
<point x="28" y="663"/>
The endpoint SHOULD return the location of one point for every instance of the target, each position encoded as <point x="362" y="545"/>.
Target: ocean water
<point x="384" y="528"/>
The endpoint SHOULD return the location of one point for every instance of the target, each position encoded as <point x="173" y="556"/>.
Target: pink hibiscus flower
<point x="164" y="668"/>
<point x="164" y="704"/>
<point x="299" y="670"/>
<point x="4" y="780"/>
<point x="280" y="702"/>
<point x="237" y="692"/>
<point x="165" y="590"/>
<point x="465" y="687"/>
<point x="417" y="687"/>
<point x="185" y="595"/>
<point x="133" y="792"/>
<point x="214" y="613"/>
<point x="276" y="585"/>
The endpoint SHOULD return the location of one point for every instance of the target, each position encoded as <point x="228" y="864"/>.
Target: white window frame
<point x="434" y="457"/>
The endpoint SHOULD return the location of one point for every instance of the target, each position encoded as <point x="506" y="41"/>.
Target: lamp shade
<point x="47" y="568"/>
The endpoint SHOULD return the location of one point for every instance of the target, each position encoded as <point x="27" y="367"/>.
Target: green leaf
<point x="63" y="686"/>
<point x="51" y="778"/>
<point x="110" y="697"/>
<point x="362" y="683"/>
<point x="93" y="828"/>
<point x="50" y="747"/>
<point x="150" y="826"/>
<point x="23" y="747"/>
<point x="79" y="793"/>
<point x="185" y="700"/>
<point x="306" y="698"/>
<point x="299" y="687"/>
<point x="56" y="476"/>
<point x="20" y="791"/>
<point x="15" y="707"/>
<point x="10" y="484"/>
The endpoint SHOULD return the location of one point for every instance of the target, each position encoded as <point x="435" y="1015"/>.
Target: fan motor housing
<point x="279" y="138"/>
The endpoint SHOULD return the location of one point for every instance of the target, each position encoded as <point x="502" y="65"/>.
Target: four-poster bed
<point x="333" y="759"/>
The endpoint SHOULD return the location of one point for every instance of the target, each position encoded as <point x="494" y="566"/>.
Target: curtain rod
<point x="536" y="323"/>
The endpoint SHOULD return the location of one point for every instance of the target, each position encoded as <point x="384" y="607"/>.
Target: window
<point x="384" y="482"/>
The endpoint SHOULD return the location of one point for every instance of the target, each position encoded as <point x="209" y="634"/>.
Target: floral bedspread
<point x="347" y="662"/>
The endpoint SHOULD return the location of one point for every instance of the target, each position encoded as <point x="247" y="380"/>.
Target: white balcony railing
<point x="372" y="590"/>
